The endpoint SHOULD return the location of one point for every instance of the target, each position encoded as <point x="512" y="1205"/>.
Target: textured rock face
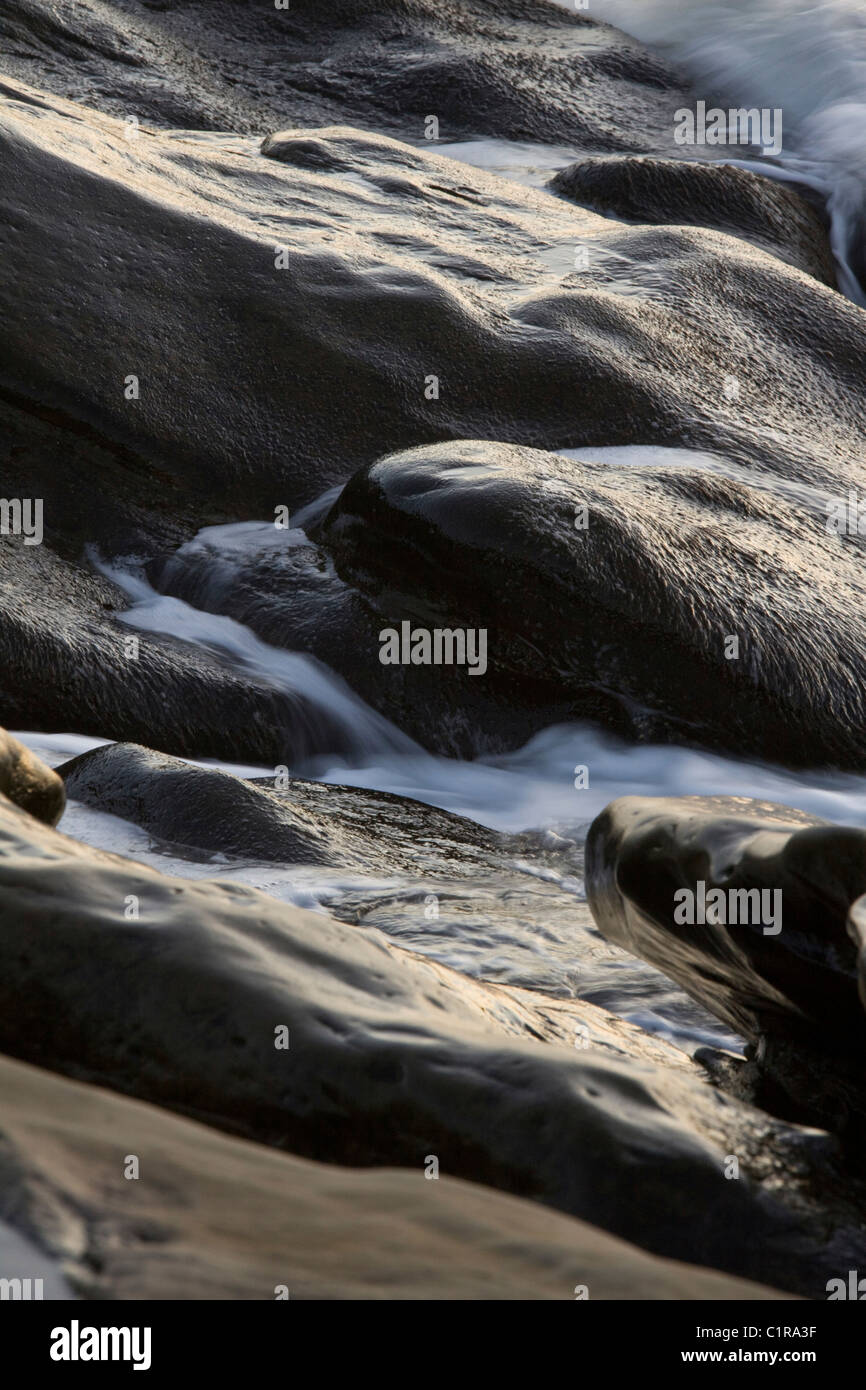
<point x="304" y="823"/>
<point x="399" y="269"/>
<point x="213" y="1217"/>
<point x="517" y="71"/>
<point x="771" y="215"/>
<point x="65" y="661"/>
<point x="203" y="327"/>
<point x="398" y="266"/>
<point x="388" y="1059"/>
<point x="618" y="592"/>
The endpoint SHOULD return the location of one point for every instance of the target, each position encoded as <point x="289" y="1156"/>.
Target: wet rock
<point x="505" y="908"/>
<point x="430" y="269"/>
<point x="790" y="967"/>
<point x="746" y="906"/>
<point x="287" y="591"/>
<point x="401" y="269"/>
<point x="212" y="1217"/>
<point x="670" y="603"/>
<point x="67" y="662"/>
<point x="857" y="932"/>
<point x="26" y="780"/>
<point x="265" y="820"/>
<point x="771" y="215"/>
<point x="309" y="1035"/>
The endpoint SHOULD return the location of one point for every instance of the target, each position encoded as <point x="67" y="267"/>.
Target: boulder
<point x="437" y="303"/>
<point x="301" y="823"/>
<point x="525" y="70"/>
<point x="750" y="908"/>
<point x="775" y="216"/>
<point x="67" y="662"/>
<point x="431" y="270"/>
<point x="671" y="603"/>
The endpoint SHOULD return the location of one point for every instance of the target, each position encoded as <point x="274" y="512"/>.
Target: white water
<point x="293" y="672"/>
<point x="530" y="164"/>
<point x="808" y="59"/>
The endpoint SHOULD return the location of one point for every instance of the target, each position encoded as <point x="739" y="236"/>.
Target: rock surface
<point x="525" y="70"/>
<point x="391" y="1059"/>
<point x="771" y="215"/>
<point x="26" y="781"/>
<point x="771" y="952"/>
<point x="211" y="1217"/>
<point x="618" y="592"/>
<point x="203" y="327"/>
<point x="66" y="662"/>
<point x="431" y="270"/>
<point x="306" y="823"/>
<point x="508" y="909"/>
<point x="794" y="970"/>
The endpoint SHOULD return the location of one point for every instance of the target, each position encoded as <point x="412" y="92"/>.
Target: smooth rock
<point x="212" y="1217"/>
<point x="305" y="823"/>
<point x="446" y="273"/>
<point x="620" y="592"/>
<point x="67" y="662"/>
<point x="774" y="216"/>
<point x="390" y="1059"/>
<point x="27" y="781"/>
<point x="770" y="952"/>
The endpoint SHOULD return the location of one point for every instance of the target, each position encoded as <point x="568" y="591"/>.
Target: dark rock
<point x="65" y="662"/>
<point x="797" y="975"/>
<point x="290" y="595"/>
<point x="306" y="823"/>
<point x="470" y="279"/>
<point x="773" y="216"/>
<point x="446" y="272"/>
<point x="779" y="965"/>
<point x="509" y="908"/>
<point x="390" y="1060"/>
<point x="627" y="619"/>
<point x="524" y="70"/>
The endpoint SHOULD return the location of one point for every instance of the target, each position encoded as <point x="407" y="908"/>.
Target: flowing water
<point x="809" y="60"/>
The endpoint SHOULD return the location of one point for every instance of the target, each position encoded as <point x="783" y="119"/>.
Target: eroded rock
<point x="521" y="71"/>
<point x="746" y="906"/>
<point x="389" y="1059"/>
<point x="771" y="215"/>
<point x="671" y="603"/>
